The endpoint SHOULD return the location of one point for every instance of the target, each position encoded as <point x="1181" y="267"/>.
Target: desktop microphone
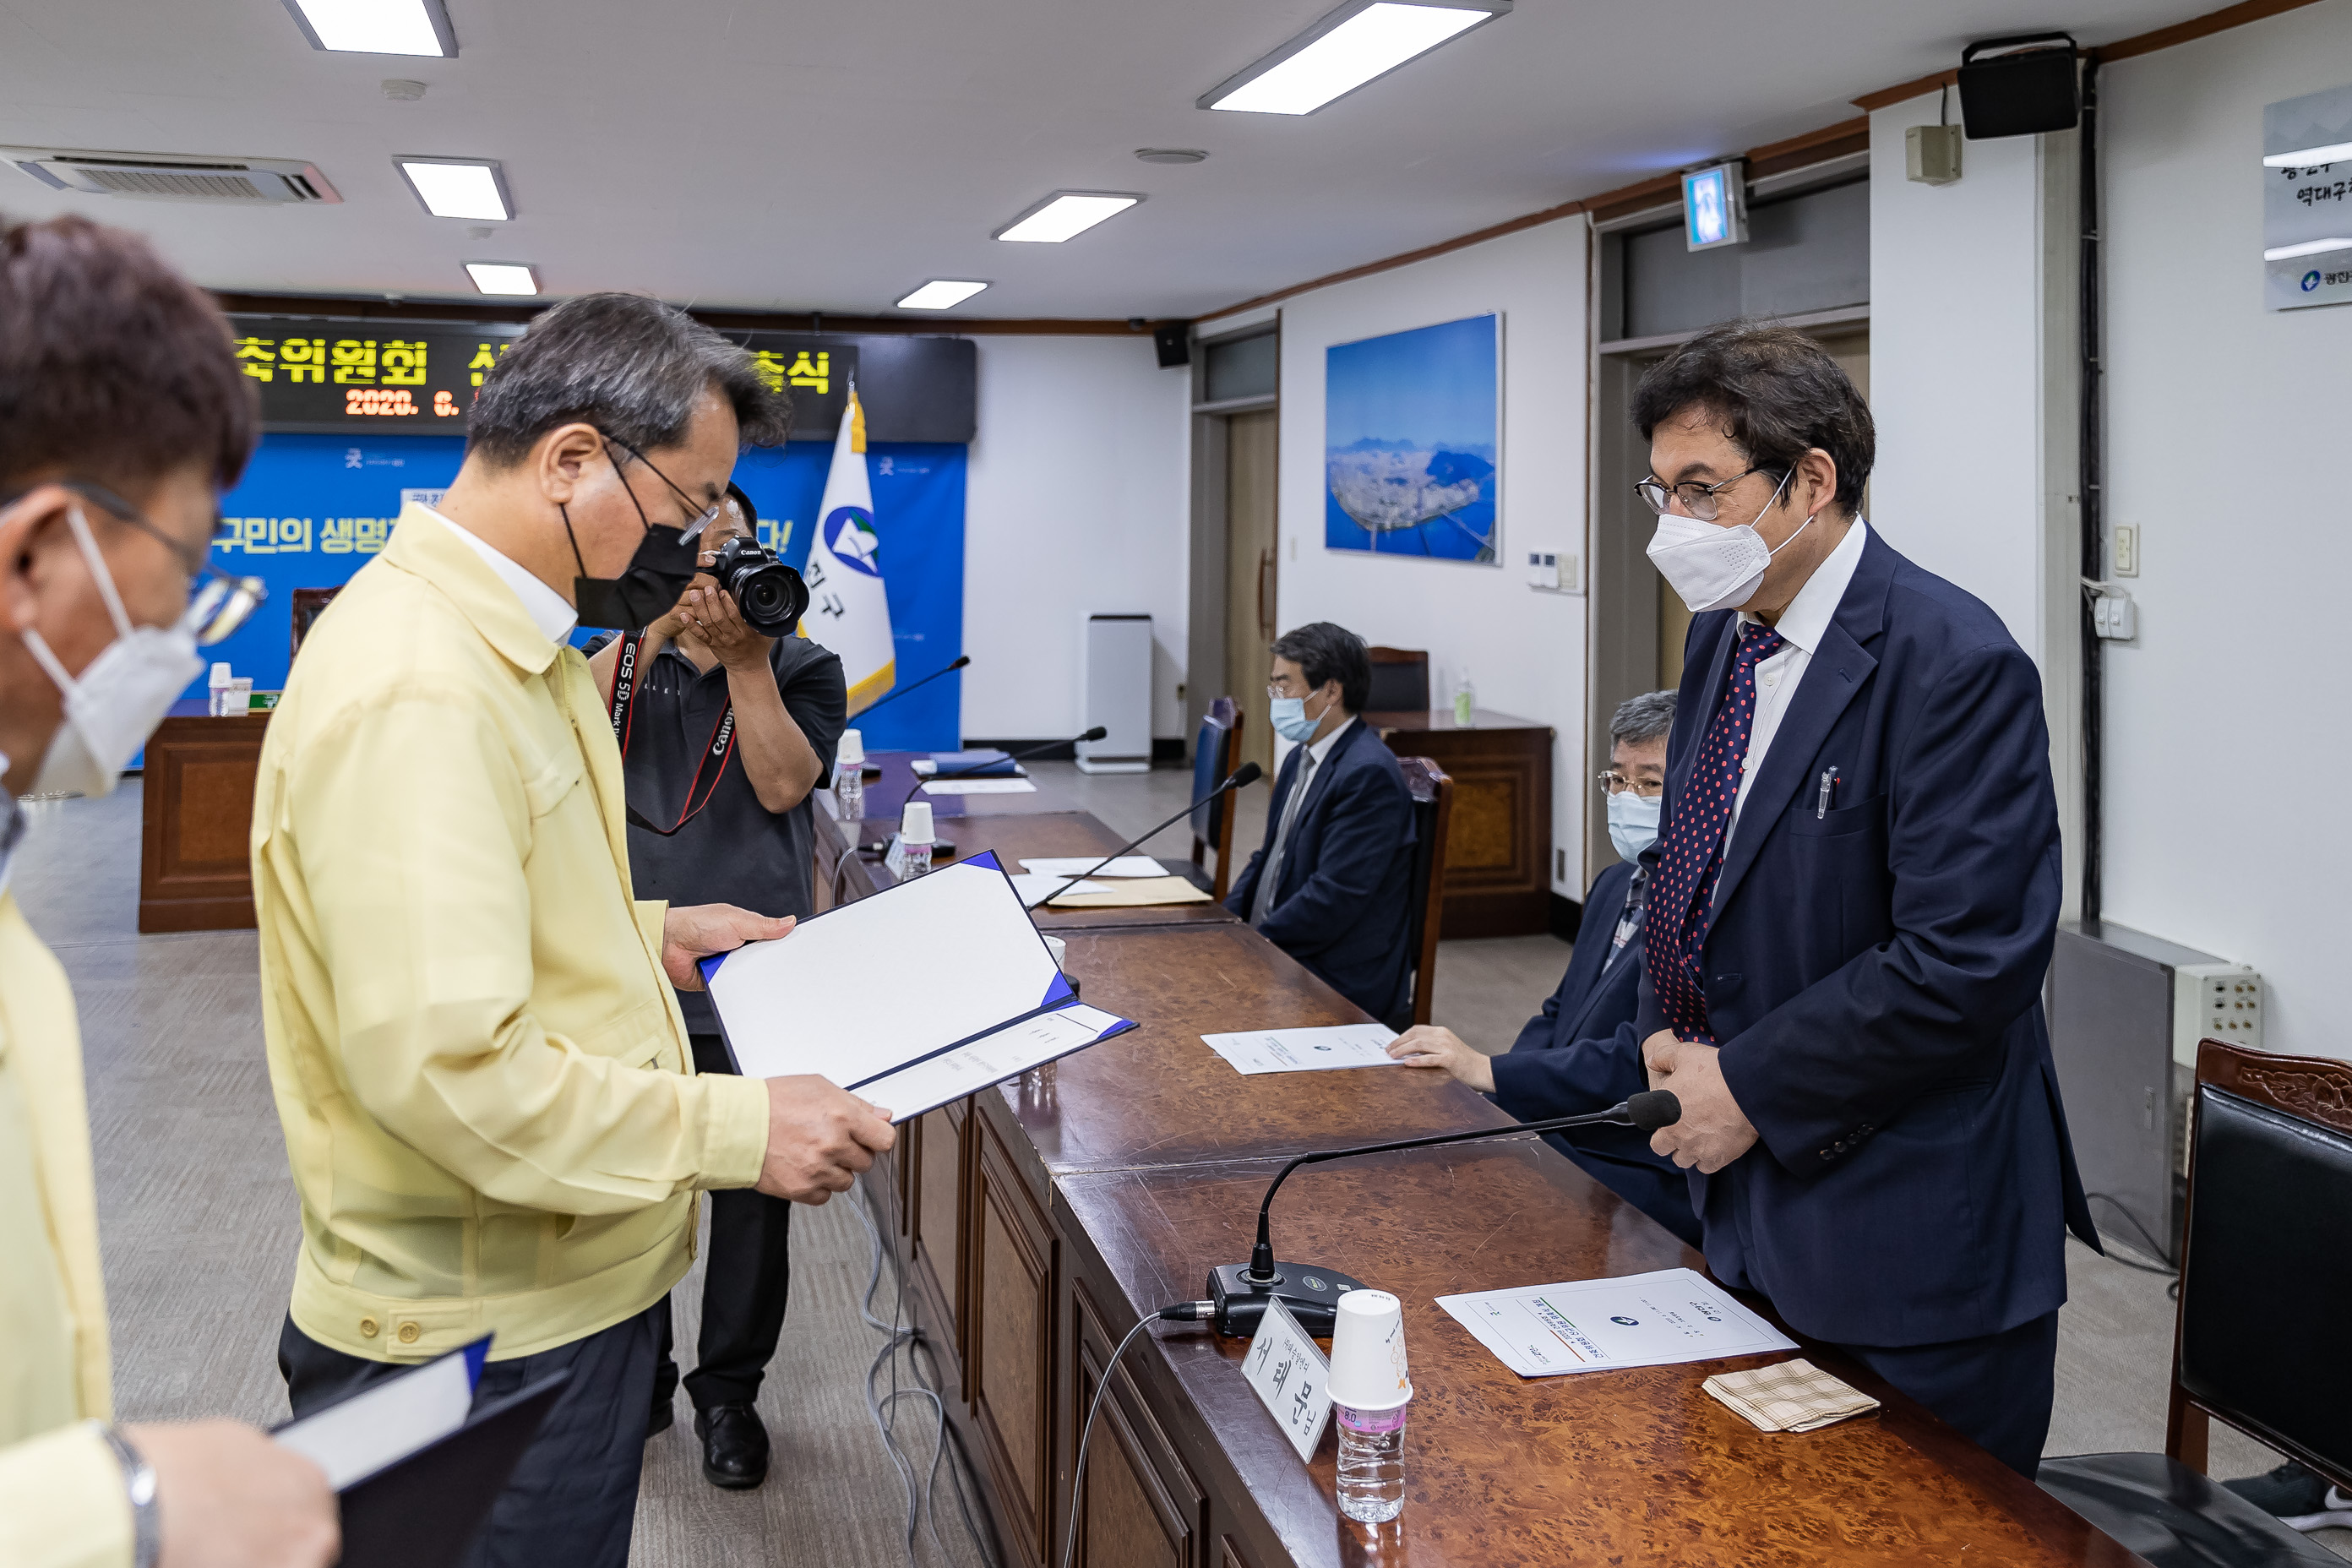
<point x="1247" y="774"/>
<point x="924" y="781"/>
<point x="1311" y="1292"/>
<point x="962" y="659"/>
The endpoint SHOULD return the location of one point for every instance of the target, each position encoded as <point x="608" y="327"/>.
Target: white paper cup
<point x="1057" y="947"/>
<point x="915" y="823"/>
<point x="850" y="748"/>
<point x="1368" y="1365"/>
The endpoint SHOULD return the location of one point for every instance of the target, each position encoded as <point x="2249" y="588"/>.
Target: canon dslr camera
<point x="771" y="595"/>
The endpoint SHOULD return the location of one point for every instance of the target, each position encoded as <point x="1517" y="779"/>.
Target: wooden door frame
<point x="1206" y="678"/>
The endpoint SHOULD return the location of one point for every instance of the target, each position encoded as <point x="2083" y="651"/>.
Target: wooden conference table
<point x="1040" y="1220"/>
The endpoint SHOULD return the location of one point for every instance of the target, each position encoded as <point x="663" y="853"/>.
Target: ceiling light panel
<point x="503" y="276"/>
<point x="940" y="294"/>
<point x="2333" y="153"/>
<point x="1358" y="43"/>
<point x="375" y="27"/>
<point x="472" y="188"/>
<point x="1064" y="214"/>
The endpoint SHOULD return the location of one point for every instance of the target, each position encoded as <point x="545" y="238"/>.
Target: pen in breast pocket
<point x="1821" y="801"/>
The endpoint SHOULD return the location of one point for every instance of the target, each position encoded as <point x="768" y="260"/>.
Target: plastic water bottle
<point x="1371" y="1463"/>
<point x="218" y="689"/>
<point x="1466" y="702"/>
<point x="915" y="837"/>
<point x="849" y="775"/>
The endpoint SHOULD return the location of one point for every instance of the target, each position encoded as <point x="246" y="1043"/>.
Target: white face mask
<point x="1712" y="567"/>
<point x="115" y="704"/>
<point x="1634" y="823"/>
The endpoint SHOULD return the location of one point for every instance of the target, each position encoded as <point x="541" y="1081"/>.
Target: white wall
<point x="1525" y="650"/>
<point x="2226" y="739"/>
<point x="1076" y="505"/>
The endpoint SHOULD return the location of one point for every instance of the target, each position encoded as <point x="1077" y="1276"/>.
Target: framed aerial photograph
<point x="1411" y="432"/>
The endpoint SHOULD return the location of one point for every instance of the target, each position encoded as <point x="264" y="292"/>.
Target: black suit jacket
<point x="1346" y="873"/>
<point x="1569" y="1060"/>
<point x="1874" y="976"/>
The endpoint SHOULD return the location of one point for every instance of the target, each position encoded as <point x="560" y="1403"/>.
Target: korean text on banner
<point x="849" y="609"/>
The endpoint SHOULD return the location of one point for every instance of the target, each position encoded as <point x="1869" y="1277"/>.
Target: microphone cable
<point x="1178" y="1312"/>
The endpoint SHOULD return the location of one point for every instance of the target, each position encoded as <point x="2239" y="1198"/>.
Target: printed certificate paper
<point x="1598" y="1325"/>
<point x="1305" y="1050"/>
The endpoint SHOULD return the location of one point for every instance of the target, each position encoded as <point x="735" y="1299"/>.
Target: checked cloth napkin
<point x="1794" y="1396"/>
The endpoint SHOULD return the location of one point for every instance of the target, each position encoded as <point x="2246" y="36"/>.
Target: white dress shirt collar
<point x="547" y="608"/>
<point x="1321" y="750"/>
<point x="1807" y="619"/>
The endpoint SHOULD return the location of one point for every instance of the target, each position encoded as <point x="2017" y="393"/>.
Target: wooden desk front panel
<point x="1010" y="1337"/>
<point x="196" y="868"/>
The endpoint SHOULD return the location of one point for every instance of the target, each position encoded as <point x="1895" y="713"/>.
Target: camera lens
<point x="769" y="594"/>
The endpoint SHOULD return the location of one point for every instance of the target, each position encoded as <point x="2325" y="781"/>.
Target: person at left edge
<point x="484" y="1079"/>
<point x="1579" y="1053"/>
<point x="724" y="734"/>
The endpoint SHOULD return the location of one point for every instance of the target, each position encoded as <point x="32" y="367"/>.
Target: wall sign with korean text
<point x="2308" y="200"/>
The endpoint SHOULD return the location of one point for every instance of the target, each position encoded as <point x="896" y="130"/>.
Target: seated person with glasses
<point x="1569" y="1059"/>
<point x="1330" y="884"/>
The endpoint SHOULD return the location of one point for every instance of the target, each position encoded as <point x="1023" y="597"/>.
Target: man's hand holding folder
<point x="227" y="1497"/>
<point x="819" y="1139"/>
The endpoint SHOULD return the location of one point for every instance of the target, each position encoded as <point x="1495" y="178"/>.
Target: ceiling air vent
<point x="160" y="177"/>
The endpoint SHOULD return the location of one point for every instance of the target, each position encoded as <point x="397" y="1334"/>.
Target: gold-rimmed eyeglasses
<point x="1616" y="783"/>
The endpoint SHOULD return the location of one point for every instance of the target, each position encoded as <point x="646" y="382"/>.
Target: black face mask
<point x="664" y="565"/>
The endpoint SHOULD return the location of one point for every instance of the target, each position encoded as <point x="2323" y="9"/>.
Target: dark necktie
<point x="1691" y="858"/>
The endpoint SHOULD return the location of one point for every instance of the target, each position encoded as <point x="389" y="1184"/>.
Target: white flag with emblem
<point x="849" y="610"/>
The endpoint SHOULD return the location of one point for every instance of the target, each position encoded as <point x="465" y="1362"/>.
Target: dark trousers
<point x="745" y="1281"/>
<point x="574" y="1497"/>
<point x="1996" y="1389"/>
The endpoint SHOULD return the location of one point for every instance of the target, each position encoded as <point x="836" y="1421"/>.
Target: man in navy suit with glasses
<point x="1853" y="901"/>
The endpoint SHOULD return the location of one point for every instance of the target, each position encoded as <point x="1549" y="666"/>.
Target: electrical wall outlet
<point x="2215" y="1001"/>
<point x="2124" y="551"/>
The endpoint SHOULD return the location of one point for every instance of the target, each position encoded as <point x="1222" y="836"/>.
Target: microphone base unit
<point x="1308" y="1291"/>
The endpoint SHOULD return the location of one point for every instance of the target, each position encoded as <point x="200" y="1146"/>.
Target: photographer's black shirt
<point x="732" y="849"/>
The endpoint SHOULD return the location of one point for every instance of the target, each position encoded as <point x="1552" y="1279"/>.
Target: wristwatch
<point x="139" y="1485"/>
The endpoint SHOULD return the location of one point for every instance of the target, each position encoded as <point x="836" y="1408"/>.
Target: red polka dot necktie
<point x="1681" y="908"/>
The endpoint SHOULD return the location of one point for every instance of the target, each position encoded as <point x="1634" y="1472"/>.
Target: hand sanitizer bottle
<point x="1466" y="702"/>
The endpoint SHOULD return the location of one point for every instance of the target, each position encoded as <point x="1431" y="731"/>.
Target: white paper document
<point x="1036" y="889"/>
<point x="377" y="1428"/>
<point x="1305" y="1050"/>
<point x="1091" y="866"/>
<point x="1595" y="1325"/>
<point x="991" y="1058"/>
<point x="870" y="987"/>
<point x="980" y="787"/>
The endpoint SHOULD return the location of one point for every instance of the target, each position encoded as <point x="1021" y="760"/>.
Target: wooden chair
<point x="1400" y="681"/>
<point x="2265" y="1269"/>
<point x="1432" y="815"/>
<point x="1216" y="752"/>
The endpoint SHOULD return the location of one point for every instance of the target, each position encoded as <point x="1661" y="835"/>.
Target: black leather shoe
<point x="734" y="1445"/>
<point x="660" y="1420"/>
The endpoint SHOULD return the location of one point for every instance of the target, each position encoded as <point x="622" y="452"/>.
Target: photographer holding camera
<point x="727" y="721"/>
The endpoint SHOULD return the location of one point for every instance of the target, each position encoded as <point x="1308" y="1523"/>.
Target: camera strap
<point x="714" y="756"/>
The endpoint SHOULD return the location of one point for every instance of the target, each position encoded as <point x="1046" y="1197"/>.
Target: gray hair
<point x="633" y="367"/>
<point x="1640" y="719"/>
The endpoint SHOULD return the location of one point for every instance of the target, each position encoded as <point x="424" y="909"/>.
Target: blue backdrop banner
<point x="312" y="509"/>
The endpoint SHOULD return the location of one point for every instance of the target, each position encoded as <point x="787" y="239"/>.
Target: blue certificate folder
<point x="925" y="991"/>
<point x="988" y="763"/>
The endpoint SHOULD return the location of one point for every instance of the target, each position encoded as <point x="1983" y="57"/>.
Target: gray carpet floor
<point x="199" y="1224"/>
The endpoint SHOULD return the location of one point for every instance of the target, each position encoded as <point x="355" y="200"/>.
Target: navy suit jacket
<point x="1346" y="872"/>
<point x="1874" y="972"/>
<point x="1569" y="1060"/>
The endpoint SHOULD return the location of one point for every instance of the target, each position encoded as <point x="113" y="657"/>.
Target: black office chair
<point x="1216" y="752"/>
<point x="1400" y="681"/>
<point x="1433" y="818"/>
<point x="2265" y="1270"/>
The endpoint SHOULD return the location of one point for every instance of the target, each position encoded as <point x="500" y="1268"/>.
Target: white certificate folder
<point x="945" y="973"/>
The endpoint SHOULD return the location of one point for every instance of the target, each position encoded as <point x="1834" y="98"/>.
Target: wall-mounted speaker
<point x="2019" y="86"/>
<point x="1173" y="342"/>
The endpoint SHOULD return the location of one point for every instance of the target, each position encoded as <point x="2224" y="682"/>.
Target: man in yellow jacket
<point x="122" y="415"/>
<point x="484" y="1080"/>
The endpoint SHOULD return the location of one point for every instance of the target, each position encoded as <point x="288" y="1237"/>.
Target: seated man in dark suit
<point x="1330" y="884"/>
<point x="1570" y="1058"/>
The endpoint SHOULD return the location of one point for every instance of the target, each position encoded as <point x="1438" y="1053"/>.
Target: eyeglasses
<point x="1698" y="500"/>
<point x="699" y="519"/>
<point x="1616" y="783"/>
<point x="218" y="601"/>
